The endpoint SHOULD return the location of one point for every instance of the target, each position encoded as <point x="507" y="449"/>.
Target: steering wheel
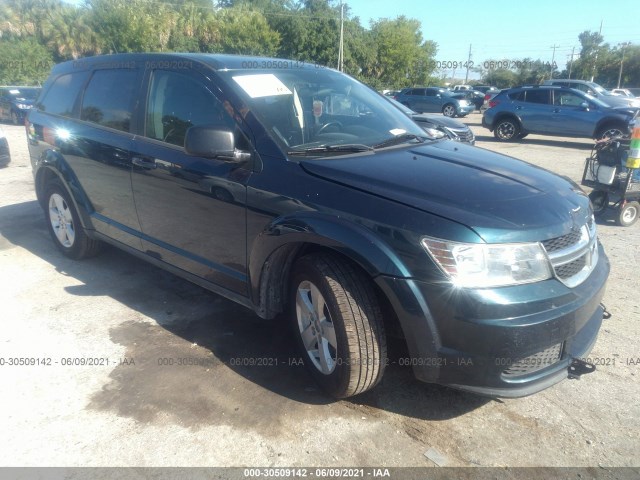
<point x="327" y="125"/>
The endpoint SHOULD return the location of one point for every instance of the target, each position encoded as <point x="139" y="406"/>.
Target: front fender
<point x="273" y="251"/>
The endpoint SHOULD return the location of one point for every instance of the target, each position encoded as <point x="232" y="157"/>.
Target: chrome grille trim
<point x="573" y="262"/>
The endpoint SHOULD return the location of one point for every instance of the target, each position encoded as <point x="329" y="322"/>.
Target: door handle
<point x="144" y="163"/>
<point x="518" y="107"/>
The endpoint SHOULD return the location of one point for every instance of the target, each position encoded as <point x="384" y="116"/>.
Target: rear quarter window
<point x="62" y="95"/>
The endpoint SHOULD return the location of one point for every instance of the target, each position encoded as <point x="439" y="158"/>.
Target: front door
<point x="191" y="209"/>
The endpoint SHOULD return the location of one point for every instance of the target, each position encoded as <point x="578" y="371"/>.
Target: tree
<point x="24" y="62"/>
<point x="403" y="58"/>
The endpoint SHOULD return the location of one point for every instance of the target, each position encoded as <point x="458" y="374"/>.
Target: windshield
<point x="25" y="93"/>
<point x="316" y="111"/>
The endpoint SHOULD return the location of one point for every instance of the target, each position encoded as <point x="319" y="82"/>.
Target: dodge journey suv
<point x="293" y="189"/>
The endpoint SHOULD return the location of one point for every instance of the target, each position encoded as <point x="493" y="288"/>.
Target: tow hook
<point x="579" y="367"/>
<point x="606" y="315"/>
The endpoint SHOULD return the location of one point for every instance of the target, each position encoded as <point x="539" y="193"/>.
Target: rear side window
<point x="62" y="95"/>
<point x="108" y="98"/>
<point x="537" y="96"/>
<point x="517" y="96"/>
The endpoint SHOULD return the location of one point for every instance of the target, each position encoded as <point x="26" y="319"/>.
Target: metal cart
<point x="614" y="185"/>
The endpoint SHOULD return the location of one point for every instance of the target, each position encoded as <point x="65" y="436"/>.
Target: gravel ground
<point x="133" y="408"/>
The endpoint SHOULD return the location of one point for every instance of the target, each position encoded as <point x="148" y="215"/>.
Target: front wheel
<point x="64" y="225"/>
<point x="628" y="214"/>
<point x="506" y="130"/>
<point x="338" y="324"/>
<point x="449" y="110"/>
<point x="611" y="131"/>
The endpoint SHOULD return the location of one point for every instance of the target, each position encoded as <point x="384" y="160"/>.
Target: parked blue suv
<point x="436" y="100"/>
<point x="552" y="110"/>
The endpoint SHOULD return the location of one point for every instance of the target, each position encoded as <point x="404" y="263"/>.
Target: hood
<point x="439" y="120"/>
<point x="619" y="101"/>
<point x="501" y="198"/>
<point x="631" y="111"/>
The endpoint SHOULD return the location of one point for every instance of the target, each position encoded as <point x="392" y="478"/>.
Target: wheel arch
<point x="507" y="115"/>
<point x="606" y="123"/>
<point x="52" y="167"/>
<point x="277" y="248"/>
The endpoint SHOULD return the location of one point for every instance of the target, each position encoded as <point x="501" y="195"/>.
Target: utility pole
<point x="623" y="45"/>
<point x="595" y="61"/>
<point x="341" y="47"/>
<point x="553" y="59"/>
<point x="571" y="60"/>
<point x="466" y="77"/>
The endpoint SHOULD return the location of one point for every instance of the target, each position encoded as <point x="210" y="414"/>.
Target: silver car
<point x="596" y="91"/>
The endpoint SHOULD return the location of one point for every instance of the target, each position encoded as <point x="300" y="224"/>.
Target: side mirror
<point x="584" y="106"/>
<point x="213" y="142"/>
<point x="438" y="95"/>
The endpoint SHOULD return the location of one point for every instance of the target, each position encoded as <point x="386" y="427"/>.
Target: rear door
<point x="534" y="109"/>
<point x="191" y="209"/>
<point x="433" y="100"/>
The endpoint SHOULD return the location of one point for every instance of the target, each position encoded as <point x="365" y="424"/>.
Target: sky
<point x="509" y="30"/>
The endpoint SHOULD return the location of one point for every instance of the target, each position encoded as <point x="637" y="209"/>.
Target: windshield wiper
<point x="341" y="148"/>
<point x="405" y="137"/>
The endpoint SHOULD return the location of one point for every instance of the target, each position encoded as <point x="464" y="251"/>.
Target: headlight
<point x="434" y="132"/>
<point x="23" y="106"/>
<point x="482" y="265"/>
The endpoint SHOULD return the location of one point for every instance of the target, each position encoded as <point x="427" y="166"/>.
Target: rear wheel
<point x="338" y="324"/>
<point x="506" y="130"/>
<point x="628" y="214"/>
<point x="600" y="201"/>
<point x="64" y="224"/>
<point x="449" y="110"/>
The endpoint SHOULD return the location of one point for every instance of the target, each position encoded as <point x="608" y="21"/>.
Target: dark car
<point x="486" y="88"/>
<point x="5" y="155"/>
<point x="436" y="100"/>
<point x="338" y="212"/>
<point x="550" y="110"/>
<point x="451" y="127"/>
<point x="15" y="102"/>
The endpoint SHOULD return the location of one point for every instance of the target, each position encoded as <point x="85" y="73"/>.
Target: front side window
<point x="108" y="98"/>
<point x="62" y="95"/>
<point x="177" y="102"/>
<point x="567" y="99"/>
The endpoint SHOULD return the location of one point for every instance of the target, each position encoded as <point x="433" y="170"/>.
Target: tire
<point x="14" y="118"/>
<point x="600" y="201"/>
<point x="506" y="130"/>
<point x="346" y="352"/>
<point x="611" y="131"/>
<point x="64" y="225"/>
<point x="628" y="215"/>
<point x="449" y="110"/>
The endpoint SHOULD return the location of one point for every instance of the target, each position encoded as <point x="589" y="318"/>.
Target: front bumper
<point x="473" y="339"/>
<point x="465" y="110"/>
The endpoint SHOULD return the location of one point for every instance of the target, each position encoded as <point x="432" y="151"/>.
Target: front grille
<point x="574" y="255"/>
<point x="534" y="362"/>
<point x="572" y="268"/>
<point x="465" y="135"/>
<point x="564" y="241"/>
